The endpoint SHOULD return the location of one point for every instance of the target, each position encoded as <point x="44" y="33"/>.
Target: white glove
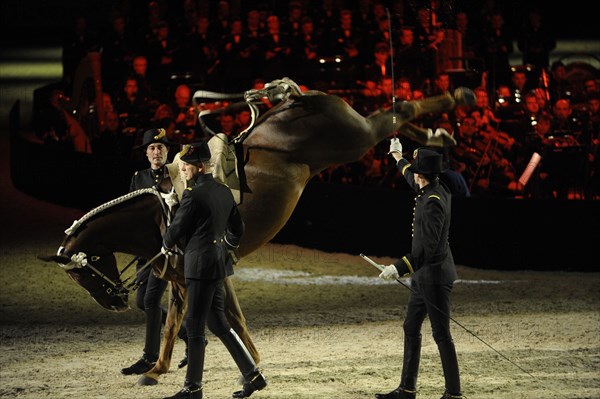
<point x="171" y="199"/>
<point x="166" y="251"/>
<point x="389" y="273"/>
<point x="395" y="146"/>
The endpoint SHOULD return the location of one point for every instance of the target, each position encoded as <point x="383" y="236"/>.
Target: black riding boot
<point x="450" y="367"/>
<point x="195" y="369"/>
<point x="182" y="334"/>
<point x="153" y="327"/>
<point x="254" y="380"/>
<point x="192" y="389"/>
<point x="188" y="392"/>
<point x="410" y="371"/>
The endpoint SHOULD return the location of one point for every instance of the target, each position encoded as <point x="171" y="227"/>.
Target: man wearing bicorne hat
<point x="431" y="268"/>
<point x="208" y="224"/>
<point x="151" y="288"/>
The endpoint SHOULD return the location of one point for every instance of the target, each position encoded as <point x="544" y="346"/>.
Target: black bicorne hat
<point x="154" y="136"/>
<point x="426" y="162"/>
<point x="195" y="153"/>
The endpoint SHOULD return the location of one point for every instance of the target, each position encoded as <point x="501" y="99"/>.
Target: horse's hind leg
<point x="409" y="110"/>
<point x="175" y="313"/>
<point x="236" y="319"/>
<point x="440" y="138"/>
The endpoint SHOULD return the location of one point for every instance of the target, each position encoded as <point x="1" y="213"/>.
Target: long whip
<point x="387" y="10"/>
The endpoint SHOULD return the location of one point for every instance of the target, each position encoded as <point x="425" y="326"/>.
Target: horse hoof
<point x="147" y="380"/>
<point x="465" y="96"/>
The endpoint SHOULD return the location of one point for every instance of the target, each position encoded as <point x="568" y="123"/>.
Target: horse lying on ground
<point x="288" y="145"/>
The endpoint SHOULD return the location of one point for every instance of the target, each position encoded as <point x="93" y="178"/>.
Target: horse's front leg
<point x="175" y="313"/>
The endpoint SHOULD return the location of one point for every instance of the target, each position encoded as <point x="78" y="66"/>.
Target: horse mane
<point x="119" y="200"/>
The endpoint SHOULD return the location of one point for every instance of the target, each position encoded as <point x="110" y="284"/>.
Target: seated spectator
<point x="181" y="105"/>
<point x="590" y="86"/>
<point x="379" y="66"/>
<point x="164" y="54"/>
<point x="408" y="57"/>
<point x="227" y="124"/>
<point x="559" y="85"/>
<point x="146" y="85"/>
<point x="528" y="118"/>
<point x="130" y="108"/>
<point x="538" y="185"/>
<point x="441" y="84"/>
<point x="404" y="90"/>
<point x="486" y="168"/>
<point x="519" y="84"/>
<point x="564" y="159"/>
<point x="162" y="111"/>
<point x="482" y="103"/>
<point x="379" y="97"/>
<point x="243" y="118"/>
<point x="506" y="108"/>
<point x="236" y="52"/>
<point x="566" y="123"/>
<point x="276" y="47"/>
<point x="306" y="47"/>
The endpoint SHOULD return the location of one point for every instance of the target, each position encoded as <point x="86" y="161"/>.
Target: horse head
<point x="97" y="274"/>
<point x="130" y="224"/>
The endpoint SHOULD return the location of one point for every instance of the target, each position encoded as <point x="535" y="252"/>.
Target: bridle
<point x="81" y="261"/>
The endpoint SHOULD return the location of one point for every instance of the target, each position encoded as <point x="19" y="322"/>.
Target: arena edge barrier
<point x="505" y="234"/>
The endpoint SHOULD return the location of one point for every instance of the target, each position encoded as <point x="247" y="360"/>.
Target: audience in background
<point x="152" y="64"/>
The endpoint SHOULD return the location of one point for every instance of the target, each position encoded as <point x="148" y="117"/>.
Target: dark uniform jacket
<point x="147" y="178"/>
<point x="430" y="260"/>
<point x="207" y="223"/>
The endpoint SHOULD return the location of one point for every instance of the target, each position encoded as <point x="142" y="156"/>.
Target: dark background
<point x="44" y="22"/>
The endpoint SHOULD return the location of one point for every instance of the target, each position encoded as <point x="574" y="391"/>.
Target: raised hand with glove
<point x="395" y="146"/>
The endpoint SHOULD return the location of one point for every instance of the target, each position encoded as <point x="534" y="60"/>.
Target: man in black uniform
<point x="151" y="288"/>
<point x="208" y="224"/>
<point x="431" y="267"/>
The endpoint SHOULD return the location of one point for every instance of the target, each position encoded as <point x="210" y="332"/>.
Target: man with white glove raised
<point x="431" y="267"/>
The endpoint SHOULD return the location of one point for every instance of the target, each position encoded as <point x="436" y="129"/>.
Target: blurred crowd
<point x="153" y="55"/>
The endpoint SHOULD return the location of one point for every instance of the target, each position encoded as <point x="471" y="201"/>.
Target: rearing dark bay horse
<point x="292" y="142"/>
